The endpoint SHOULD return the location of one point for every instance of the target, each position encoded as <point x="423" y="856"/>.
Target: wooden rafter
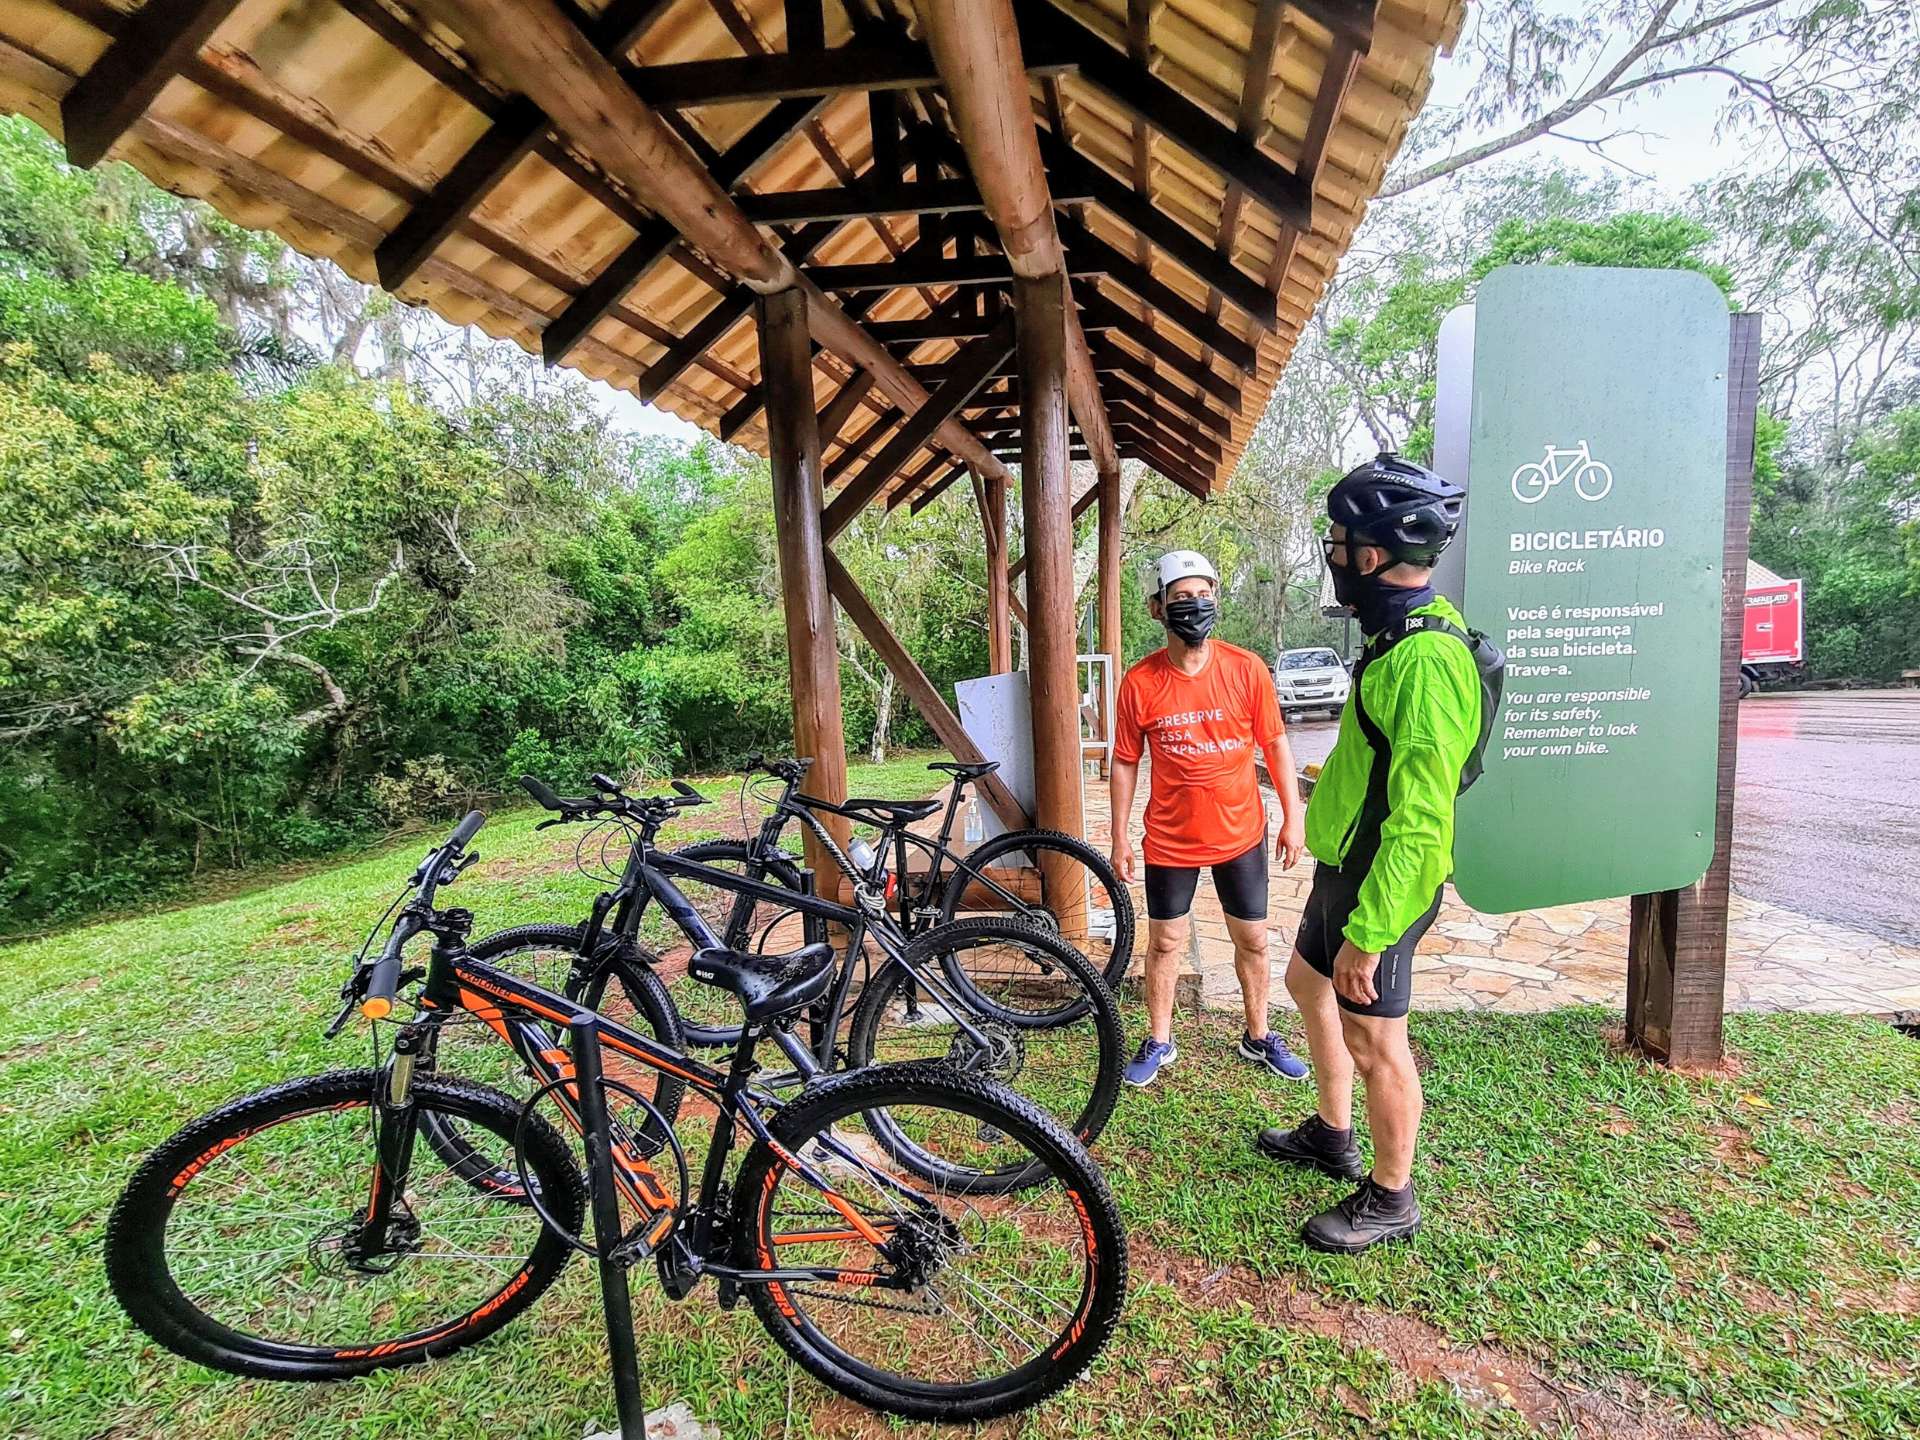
<point x="966" y="372"/>
<point x="1046" y="29"/>
<point x="1073" y="177"/>
<point x="513" y="135"/>
<point x="657" y="239"/>
<point x="153" y="47"/>
<point x="733" y="307"/>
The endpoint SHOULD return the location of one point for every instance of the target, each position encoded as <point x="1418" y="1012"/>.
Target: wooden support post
<point x="1109" y="588"/>
<point x="999" y="586"/>
<point x="813" y="657"/>
<point x="1053" y="672"/>
<point x="921" y="690"/>
<point x="1677" y="939"/>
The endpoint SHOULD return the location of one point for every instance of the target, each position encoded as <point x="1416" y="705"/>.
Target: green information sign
<point x="1594" y="554"/>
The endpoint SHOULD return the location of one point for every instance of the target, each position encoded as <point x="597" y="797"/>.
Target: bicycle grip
<point x="540" y="791"/>
<point x="376" y="1003"/>
<point x="469" y="828"/>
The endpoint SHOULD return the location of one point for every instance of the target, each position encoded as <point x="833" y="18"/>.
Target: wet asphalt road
<point x="1824" y="808"/>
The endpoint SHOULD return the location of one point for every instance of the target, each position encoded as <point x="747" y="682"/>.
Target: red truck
<point x="1774" y="642"/>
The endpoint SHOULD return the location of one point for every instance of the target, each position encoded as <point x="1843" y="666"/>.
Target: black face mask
<point x="1192" y="617"/>
<point x="1375" y="603"/>
<point x="1367" y="595"/>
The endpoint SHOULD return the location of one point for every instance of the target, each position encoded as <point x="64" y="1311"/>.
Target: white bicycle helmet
<point x="1182" y="565"/>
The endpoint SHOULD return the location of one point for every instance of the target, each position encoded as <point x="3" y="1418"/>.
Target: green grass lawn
<point x="1609" y="1250"/>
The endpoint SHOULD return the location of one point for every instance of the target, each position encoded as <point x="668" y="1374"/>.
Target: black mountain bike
<point x="1044" y="877"/>
<point x="300" y="1233"/>
<point x="989" y="996"/>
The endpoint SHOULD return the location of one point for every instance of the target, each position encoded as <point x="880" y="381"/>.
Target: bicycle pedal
<point x="641" y="1242"/>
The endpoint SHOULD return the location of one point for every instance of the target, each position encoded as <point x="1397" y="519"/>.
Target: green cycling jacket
<point x="1424" y="695"/>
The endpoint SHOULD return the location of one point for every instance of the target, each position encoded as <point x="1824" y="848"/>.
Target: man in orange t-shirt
<point x="1202" y="706"/>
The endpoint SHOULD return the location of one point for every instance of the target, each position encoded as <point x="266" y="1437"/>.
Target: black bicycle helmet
<point x="1403" y="508"/>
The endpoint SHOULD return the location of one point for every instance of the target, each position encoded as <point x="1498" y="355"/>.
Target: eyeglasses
<point x="1328" y="545"/>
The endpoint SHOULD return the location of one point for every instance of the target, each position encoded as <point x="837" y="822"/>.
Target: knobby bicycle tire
<point x="1096" y="1015"/>
<point x="144" y="1282"/>
<point x="1115" y="968"/>
<point x="1088" y="1219"/>
<point x="652" y="1008"/>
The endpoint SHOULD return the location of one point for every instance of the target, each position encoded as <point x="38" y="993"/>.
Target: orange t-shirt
<point x="1204" y="807"/>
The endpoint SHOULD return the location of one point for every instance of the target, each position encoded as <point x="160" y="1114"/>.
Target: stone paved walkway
<point x="1572" y="954"/>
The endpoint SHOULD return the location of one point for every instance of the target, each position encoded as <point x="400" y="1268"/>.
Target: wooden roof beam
<point x="542" y="54"/>
<point x="985" y="62"/>
<point x="1046" y="29"/>
<point x="514" y="134"/>
<point x="865" y="65"/>
<point x="155" y="45"/>
<point x="733" y="306"/>
<point x="1090" y="255"/>
<point x="1107" y="315"/>
<point x="1349" y="20"/>
<point x="853" y="202"/>
<point x="917" y="268"/>
<point x="654" y="241"/>
<point x="966" y="373"/>
<point x="1072" y="176"/>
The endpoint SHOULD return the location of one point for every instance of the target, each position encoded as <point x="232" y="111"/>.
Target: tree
<point x="1806" y="86"/>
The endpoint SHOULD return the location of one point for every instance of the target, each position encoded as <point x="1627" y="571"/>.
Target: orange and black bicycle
<point x="300" y="1233"/>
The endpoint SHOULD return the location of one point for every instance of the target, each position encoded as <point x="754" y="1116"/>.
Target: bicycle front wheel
<point x="239" y="1242"/>
<point x="1004" y="1024"/>
<point x="920" y="1302"/>
<point x="1050" y="879"/>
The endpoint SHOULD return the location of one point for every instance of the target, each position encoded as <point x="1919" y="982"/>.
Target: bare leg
<point x="1166" y="943"/>
<point x="1250" y="964"/>
<point x="1394" y="1102"/>
<point x="1326" y="1042"/>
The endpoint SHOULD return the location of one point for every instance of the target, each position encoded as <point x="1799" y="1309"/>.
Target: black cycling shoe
<point x="1368" y="1217"/>
<point x="1313" y="1144"/>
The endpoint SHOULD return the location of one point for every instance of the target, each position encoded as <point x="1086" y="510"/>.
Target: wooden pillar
<point x="1677" y="939"/>
<point x="1052" y="608"/>
<point x="1109" y="589"/>
<point x="813" y="659"/>
<point x="999" y="611"/>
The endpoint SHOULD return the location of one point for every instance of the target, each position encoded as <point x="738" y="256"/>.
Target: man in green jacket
<point x="1380" y="824"/>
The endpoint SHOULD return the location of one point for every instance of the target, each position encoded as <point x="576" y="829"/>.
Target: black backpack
<point x="1488" y="660"/>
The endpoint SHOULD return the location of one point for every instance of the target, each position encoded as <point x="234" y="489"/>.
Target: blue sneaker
<point x="1273" y="1053"/>
<point x="1148" y="1060"/>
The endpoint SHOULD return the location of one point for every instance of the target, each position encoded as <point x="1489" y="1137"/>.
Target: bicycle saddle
<point x="768" y="985"/>
<point x="876" y="812"/>
<point x="960" y="771"/>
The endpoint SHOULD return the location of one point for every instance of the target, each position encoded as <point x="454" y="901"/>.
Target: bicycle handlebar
<point x="376" y="1001"/>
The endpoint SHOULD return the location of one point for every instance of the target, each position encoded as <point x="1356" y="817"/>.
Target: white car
<point x="1311" y="679"/>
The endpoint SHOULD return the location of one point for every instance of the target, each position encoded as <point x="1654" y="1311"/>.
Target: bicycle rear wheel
<point x="621" y="986"/>
<point x="238" y="1242"/>
<point x="930" y="1305"/>
<point x="1050" y="879"/>
<point x="743" y="922"/>
<point x="1004" y="1024"/>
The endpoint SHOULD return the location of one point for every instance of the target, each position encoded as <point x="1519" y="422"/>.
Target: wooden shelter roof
<point x="1209" y="161"/>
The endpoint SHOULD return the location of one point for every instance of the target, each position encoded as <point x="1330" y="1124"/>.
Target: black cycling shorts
<point x="1241" y="881"/>
<point x="1330" y="904"/>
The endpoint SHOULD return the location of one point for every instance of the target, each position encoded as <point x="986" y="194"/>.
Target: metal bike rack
<point x="615" y="1297"/>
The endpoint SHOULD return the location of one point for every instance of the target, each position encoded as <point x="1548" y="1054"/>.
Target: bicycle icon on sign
<point x="1591" y="479"/>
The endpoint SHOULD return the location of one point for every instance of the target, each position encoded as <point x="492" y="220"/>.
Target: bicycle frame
<point x="521" y="1014"/>
<point x="648" y="877"/>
